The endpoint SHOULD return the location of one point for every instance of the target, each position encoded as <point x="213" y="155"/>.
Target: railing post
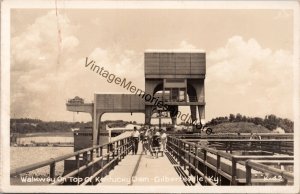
<point x="248" y="174"/>
<point x="205" y="163"/>
<point x="179" y="152"/>
<point x="108" y="150"/>
<point x="199" y="166"/>
<point x="85" y="157"/>
<point x="77" y="161"/>
<point x="102" y="161"/>
<point x="101" y="151"/>
<point x="91" y="170"/>
<point x="233" y="171"/>
<point x="92" y="155"/>
<point x="52" y="171"/>
<point x="126" y="146"/>
<point x="184" y="154"/>
<point x="196" y="164"/>
<point x="108" y="158"/>
<point x="189" y="158"/>
<point x="113" y="150"/>
<point x="218" y="161"/>
<point x="219" y="168"/>
<point x="98" y="154"/>
<point x="122" y="149"/>
<point x="77" y="164"/>
<point x="177" y="149"/>
<point x="118" y="151"/>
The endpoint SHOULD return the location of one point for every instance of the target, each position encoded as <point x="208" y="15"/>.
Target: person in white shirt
<point x="163" y="138"/>
<point x="135" y="138"/>
<point x="149" y="134"/>
<point x="156" y="142"/>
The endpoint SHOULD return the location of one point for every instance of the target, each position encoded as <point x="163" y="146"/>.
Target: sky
<point x="249" y="57"/>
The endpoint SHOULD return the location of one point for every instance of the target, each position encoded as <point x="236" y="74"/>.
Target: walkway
<point x="143" y="169"/>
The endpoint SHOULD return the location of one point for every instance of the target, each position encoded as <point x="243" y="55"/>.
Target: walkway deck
<point x="144" y="170"/>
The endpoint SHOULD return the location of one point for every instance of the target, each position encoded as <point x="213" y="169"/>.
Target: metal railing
<point x="234" y="136"/>
<point x="85" y="159"/>
<point x="279" y="176"/>
<point x="283" y="146"/>
<point x="268" y="142"/>
<point x="204" y="162"/>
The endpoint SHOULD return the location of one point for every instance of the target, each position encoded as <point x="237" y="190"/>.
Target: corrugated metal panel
<point x="119" y="102"/>
<point x="168" y="63"/>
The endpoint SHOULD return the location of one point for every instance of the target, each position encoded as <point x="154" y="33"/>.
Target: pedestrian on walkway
<point x="149" y="134"/>
<point x="144" y="139"/>
<point x="135" y="140"/>
<point x="156" y="143"/>
<point x="163" y="137"/>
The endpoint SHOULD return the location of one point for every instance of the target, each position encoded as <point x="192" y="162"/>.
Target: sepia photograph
<point x="150" y="96"/>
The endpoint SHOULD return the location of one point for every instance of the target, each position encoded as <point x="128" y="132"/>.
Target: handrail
<point x="246" y="140"/>
<point x="185" y="151"/>
<point x="257" y="165"/>
<point x="234" y="135"/>
<point x="34" y="166"/>
<point x="123" y="143"/>
<point x="269" y="145"/>
<point x="180" y="152"/>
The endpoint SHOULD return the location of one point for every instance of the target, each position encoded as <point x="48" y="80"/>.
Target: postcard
<point x="150" y="96"/>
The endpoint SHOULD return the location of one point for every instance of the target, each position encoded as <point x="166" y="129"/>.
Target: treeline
<point x="270" y="122"/>
<point x="118" y="123"/>
<point x="25" y="120"/>
<point x="34" y="125"/>
<point x="27" y="125"/>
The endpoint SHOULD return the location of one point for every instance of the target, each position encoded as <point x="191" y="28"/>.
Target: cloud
<point x="185" y="45"/>
<point x="38" y="63"/>
<point x="123" y="63"/>
<point x="47" y="68"/>
<point x="244" y="77"/>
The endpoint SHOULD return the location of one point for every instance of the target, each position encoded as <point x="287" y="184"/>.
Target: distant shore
<point x="60" y="134"/>
<point x="46" y="139"/>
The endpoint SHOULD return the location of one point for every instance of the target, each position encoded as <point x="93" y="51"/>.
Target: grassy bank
<point x="239" y="127"/>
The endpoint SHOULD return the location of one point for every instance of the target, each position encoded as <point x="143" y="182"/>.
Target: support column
<point x="148" y="113"/>
<point x="201" y="98"/>
<point x="193" y="115"/>
<point x="173" y="113"/>
<point x="95" y="130"/>
<point x="200" y="90"/>
<point x="96" y="121"/>
<point x="201" y="112"/>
